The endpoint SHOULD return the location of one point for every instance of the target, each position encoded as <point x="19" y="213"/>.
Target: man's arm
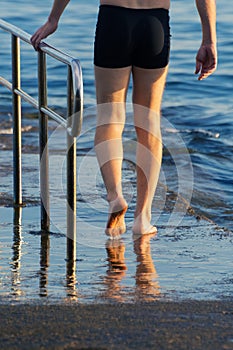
<point x="52" y="23"/>
<point x="206" y="59"/>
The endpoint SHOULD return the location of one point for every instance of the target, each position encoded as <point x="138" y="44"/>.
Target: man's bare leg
<point x="111" y="90"/>
<point x="147" y="97"/>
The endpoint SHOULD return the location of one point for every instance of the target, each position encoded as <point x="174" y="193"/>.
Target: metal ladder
<point x="72" y="123"/>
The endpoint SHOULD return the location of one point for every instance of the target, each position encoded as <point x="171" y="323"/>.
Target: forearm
<point x="57" y="10"/>
<point x="207" y="12"/>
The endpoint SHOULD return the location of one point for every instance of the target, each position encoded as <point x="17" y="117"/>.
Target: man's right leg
<point x="111" y="90"/>
<point x="147" y="97"/>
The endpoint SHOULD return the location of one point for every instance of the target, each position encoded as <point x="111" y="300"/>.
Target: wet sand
<point x="206" y="325"/>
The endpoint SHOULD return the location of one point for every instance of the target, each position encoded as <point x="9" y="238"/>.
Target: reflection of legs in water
<point x="111" y="89"/>
<point x="116" y="269"/>
<point x="146" y="275"/>
<point x="116" y="256"/>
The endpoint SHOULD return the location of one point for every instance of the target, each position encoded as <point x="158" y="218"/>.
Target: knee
<point x="111" y="114"/>
<point x="147" y="119"/>
<point x="108" y="132"/>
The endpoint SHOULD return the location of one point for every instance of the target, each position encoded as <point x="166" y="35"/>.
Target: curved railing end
<point x="77" y="116"/>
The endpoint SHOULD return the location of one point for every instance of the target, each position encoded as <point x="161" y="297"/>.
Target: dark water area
<point x="197" y="166"/>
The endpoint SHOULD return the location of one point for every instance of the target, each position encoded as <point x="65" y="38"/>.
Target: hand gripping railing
<point x="72" y="123"/>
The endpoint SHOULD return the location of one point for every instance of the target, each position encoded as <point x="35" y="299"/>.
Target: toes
<point x="115" y="231"/>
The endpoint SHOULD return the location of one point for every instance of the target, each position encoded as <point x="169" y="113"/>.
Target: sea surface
<point x="191" y="257"/>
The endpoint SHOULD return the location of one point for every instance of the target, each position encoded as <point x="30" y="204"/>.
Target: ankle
<point x="142" y="216"/>
<point x="117" y="204"/>
<point x="142" y="225"/>
<point x="114" y="197"/>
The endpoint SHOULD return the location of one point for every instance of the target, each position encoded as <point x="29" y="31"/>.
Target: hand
<point x="48" y="28"/>
<point x="206" y="60"/>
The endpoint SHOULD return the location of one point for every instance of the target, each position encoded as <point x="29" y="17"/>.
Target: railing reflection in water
<point x="16" y="248"/>
<point x="16" y="263"/>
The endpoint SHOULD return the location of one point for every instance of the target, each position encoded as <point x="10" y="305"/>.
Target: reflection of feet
<point x="142" y="246"/>
<point x="146" y="275"/>
<point x="116" y="251"/>
<point x="116" y="221"/>
<point x="115" y="271"/>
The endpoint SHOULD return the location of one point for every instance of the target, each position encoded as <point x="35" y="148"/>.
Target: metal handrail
<point x="77" y="113"/>
<point x="72" y="123"/>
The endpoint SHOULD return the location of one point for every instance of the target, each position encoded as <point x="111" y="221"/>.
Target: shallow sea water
<point x="191" y="257"/>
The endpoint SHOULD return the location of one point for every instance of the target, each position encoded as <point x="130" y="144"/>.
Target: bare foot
<point x="116" y="221"/>
<point x="143" y="228"/>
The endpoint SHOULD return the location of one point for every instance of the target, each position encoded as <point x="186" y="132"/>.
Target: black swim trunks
<point x="132" y="37"/>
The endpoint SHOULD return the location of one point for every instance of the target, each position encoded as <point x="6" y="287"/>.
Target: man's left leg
<point x="111" y="90"/>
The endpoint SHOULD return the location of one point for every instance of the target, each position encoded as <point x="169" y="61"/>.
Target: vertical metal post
<point x="71" y="176"/>
<point x="16" y="100"/>
<point x="43" y="139"/>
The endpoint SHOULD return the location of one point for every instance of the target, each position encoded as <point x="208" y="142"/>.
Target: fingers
<point x="198" y="67"/>
<point x="206" y="61"/>
<point x="34" y="42"/>
<point x="204" y="70"/>
<point x="36" y="39"/>
<point x="43" y="32"/>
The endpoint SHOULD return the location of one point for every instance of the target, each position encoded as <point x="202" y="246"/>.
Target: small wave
<point x="9" y="131"/>
<point x="198" y="131"/>
<point x="7" y="200"/>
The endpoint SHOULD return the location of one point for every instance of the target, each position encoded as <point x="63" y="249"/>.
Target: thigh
<point x="111" y="91"/>
<point x="147" y="96"/>
<point x="148" y="87"/>
<point x="111" y="84"/>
